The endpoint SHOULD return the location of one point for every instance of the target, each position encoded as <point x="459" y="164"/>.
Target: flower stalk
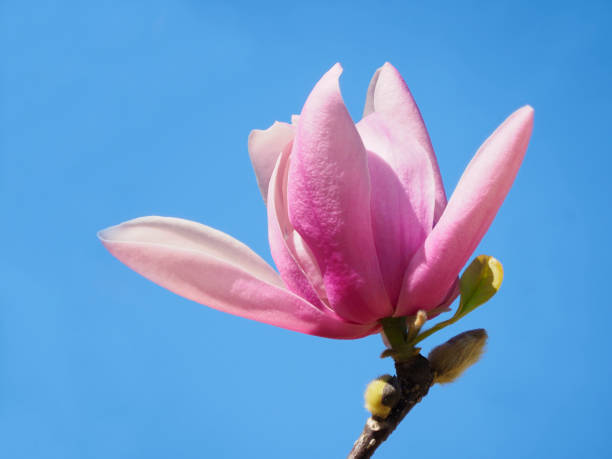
<point x="415" y="376"/>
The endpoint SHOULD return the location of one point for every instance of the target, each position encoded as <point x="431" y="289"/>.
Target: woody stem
<point x="415" y="377"/>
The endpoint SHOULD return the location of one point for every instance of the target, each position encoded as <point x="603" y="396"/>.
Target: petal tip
<point x="522" y="120"/>
<point x="325" y="95"/>
<point x="106" y="237"/>
<point x="100" y="234"/>
<point x="527" y="111"/>
<point x="110" y="234"/>
<point x="105" y="234"/>
<point x="333" y="74"/>
<point x="257" y="132"/>
<point x="388" y="66"/>
<point x="117" y="232"/>
<point x="389" y="69"/>
<point x="524" y="115"/>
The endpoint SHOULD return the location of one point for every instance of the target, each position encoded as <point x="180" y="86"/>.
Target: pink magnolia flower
<point x="359" y="225"/>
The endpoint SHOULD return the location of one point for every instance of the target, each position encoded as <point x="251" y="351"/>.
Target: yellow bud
<point x="449" y="360"/>
<point x="381" y="395"/>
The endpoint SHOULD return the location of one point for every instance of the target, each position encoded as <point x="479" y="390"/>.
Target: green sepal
<point x="395" y="329"/>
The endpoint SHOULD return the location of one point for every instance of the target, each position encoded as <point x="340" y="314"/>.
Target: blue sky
<point x="114" y="110"/>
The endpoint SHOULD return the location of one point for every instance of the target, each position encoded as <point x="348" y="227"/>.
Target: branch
<point x="415" y="377"/>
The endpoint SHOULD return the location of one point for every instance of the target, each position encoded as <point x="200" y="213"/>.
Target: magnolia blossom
<point x="359" y="224"/>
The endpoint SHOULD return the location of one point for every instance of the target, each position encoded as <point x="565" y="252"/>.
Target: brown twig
<point x="415" y="377"/>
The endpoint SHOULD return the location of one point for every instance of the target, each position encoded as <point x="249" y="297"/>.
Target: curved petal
<point x="296" y="265"/>
<point x="265" y="148"/>
<point x="446" y="303"/>
<point x="402" y="195"/>
<point x="389" y="95"/>
<point x="469" y="213"/>
<point x="207" y="266"/>
<point x="328" y="198"/>
<point x="188" y="235"/>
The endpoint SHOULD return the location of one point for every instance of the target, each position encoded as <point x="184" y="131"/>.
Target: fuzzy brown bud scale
<point x="449" y="360"/>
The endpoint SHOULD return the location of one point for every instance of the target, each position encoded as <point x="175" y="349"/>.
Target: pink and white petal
<point x="469" y="213"/>
<point x="297" y="267"/>
<point x="369" y="103"/>
<point x="407" y="159"/>
<point x="203" y="269"/>
<point x="328" y="199"/>
<point x="265" y="148"/>
<point x="397" y="233"/>
<point x="189" y="235"/>
<point x="402" y="195"/>
<point x="388" y="94"/>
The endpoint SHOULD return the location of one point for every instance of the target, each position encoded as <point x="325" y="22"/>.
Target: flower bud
<point x="479" y="282"/>
<point x="415" y="324"/>
<point x="448" y="361"/>
<point x="381" y="395"/>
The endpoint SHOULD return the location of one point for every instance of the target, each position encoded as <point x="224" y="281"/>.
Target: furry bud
<point x="449" y="360"/>
<point x="381" y="395"/>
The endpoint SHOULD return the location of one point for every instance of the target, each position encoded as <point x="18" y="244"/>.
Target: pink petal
<point x="328" y="200"/>
<point x="451" y="296"/>
<point x="212" y="268"/>
<point x="296" y="264"/>
<point x="469" y="213"/>
<point x="265" y="148"/>
<point x="402" y="195"/>
<point x="389" y="95"/>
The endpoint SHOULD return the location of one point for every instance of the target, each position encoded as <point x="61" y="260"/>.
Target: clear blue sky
<point x="114" y="110"/>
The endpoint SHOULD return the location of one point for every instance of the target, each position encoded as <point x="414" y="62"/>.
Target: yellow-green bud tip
<point x="381" y="395"/>
<point x="449" y="360"/>
<point x="479" y="282"/>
